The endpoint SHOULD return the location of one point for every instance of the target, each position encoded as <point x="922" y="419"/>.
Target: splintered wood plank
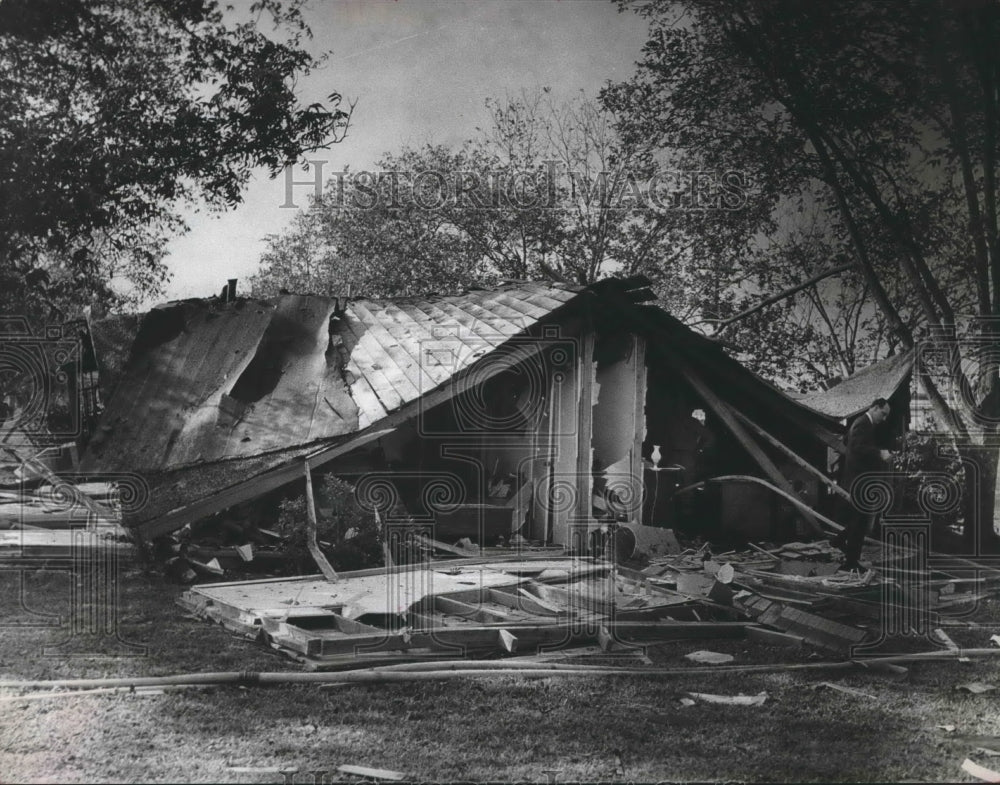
<point x="423" y="621"/>
<point x="556" y="595"/>
<point x="815" y="629"/>
<point x="374" y="774"/>
<point x="526" y="636"/>
<point x="458" y="608"/>
<point x="797" y="459"/>
<point x="676" y="630"/>
<point x="440" y="638"/>
<point x="774" y="638"/>
<point x="725" y="414"/>
<point x="527" y="602"/>
<point x="507" y="641"/>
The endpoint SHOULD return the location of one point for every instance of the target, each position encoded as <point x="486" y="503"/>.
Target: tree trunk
<point x="979" y="503"/>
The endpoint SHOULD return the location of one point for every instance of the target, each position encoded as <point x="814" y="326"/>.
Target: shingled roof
<point x="209" y="380"/>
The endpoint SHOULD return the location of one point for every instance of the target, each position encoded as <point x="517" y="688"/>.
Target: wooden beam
<point x="726" y="415"/>
<point x="768" y="637"/>
<point x="458" y="608"/>
<point x="724" y="323"/>
<point x="796" y="458"/>
<point x="585" y="431"/>
<point x="372" y="774"/>
<point x="443" y="546"/>
<point x="524" y="601"/>
<point x="526" y="636"/>
<point x="801" y="505"/>
<point x="324" y="566"/>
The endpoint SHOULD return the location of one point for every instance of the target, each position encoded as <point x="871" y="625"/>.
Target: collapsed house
<point x="505" y="428"/>
<point x="538" y="409"/>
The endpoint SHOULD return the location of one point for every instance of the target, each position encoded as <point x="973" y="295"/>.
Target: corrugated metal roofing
<point x="856" y="393"/>
<point x="210" y="381"/>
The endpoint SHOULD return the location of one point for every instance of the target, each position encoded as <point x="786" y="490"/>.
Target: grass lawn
<point x="499" y="729"/>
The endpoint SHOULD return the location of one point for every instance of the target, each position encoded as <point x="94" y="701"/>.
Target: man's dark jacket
<point x="862" y="451"/>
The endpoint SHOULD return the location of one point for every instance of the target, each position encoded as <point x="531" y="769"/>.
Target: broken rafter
<point x="324" y="566"/>
<point x="724" y="323"/>
<point x="805" y="508"/>
<point x="585" y="425"/>
<point x="795" y="457"/>
<point x="727" y="415"/>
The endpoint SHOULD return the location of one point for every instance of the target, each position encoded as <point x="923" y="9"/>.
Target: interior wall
<point x="619" y="422"/>
<point x="558" y="493"/>
<point x="614" y="407"/>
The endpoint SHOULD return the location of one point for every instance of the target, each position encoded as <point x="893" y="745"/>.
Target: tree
<point x="115" y="112"/>
<point x="886" y="116"/>
<point x="546" y="190"/>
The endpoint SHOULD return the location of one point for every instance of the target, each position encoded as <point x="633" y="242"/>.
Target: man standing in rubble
<point x="863" y="456"/>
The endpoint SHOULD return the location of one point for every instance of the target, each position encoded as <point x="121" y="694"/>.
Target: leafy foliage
<point x="545" y="190"/>
<point x="878" y="119"/>
<point x="114" y="112"/>
<point x="881" y="118"/>
<point x="350" y="537"/>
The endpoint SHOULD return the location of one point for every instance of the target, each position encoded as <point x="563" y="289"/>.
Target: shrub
<point x="348" y="536"/>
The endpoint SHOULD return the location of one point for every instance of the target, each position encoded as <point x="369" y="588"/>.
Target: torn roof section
<point x="225" y="401"/>
<point x="855" y="393"/>
<point x="209" y="381"/>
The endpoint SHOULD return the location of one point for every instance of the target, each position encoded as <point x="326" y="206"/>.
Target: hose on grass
<point x="437" y="671"/>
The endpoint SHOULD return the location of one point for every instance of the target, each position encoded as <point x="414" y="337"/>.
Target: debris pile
<point x="527" y="604"/>
<point x="51" y="519"/>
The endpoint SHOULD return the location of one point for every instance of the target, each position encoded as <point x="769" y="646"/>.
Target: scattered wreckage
<point x="534" y="457"/>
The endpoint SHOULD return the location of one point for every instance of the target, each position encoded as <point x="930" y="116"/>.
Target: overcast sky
<point x="420" y="71"/>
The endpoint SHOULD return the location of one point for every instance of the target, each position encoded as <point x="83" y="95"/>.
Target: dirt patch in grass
<point x="499" y="729"/>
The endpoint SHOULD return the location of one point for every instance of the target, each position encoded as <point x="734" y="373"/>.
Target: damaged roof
<point x="209" y="380"/>
<point x="855" y="393"/>
<point x="223" y="401"/>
